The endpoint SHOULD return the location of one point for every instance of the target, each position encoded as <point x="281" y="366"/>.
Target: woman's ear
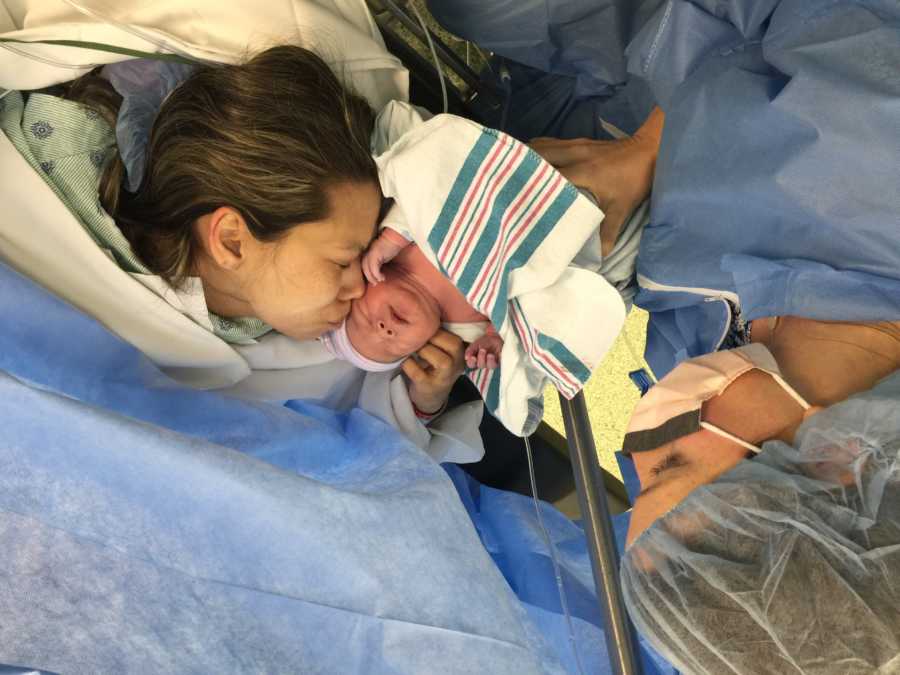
<point x="224" y="236"/>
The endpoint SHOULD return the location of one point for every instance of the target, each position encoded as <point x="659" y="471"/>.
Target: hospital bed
<point x="478" y="98"/>
<point x="472" y="96"/>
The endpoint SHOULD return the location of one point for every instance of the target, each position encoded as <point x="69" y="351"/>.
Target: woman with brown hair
<point x="246" y="208"/>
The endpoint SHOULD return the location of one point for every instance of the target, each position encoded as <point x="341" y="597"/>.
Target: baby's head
<point x="392" y="319"/>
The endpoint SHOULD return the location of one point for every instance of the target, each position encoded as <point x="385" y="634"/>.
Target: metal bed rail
<point x="621" y="640"/>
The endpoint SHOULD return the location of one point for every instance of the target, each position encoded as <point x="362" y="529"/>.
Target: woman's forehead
<point x="352" y="203"/>
<point x="336" y="235"/>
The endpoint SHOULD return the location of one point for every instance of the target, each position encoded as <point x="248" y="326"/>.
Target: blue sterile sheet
<point x="776" y="178"/>
<point x="146" y="527"/>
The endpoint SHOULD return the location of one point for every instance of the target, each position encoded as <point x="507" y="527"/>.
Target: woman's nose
<point x="354" y="285"/>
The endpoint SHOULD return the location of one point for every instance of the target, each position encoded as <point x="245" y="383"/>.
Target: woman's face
<point x="302" y="285"/>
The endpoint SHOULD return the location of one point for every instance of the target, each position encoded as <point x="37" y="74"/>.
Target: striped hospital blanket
<point x="504" y="226"/>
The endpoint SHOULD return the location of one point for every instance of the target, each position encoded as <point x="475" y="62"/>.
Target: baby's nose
<point x="386" y="329"/>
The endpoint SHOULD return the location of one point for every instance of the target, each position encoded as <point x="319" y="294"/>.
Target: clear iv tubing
<point x="43" y="59"/>
<point x="437" y="63"/>
<point x="641" y="363"/>
<point x="553" y="557"/>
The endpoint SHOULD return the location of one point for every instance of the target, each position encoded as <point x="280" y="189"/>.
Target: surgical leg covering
<point x="145" y="527"/>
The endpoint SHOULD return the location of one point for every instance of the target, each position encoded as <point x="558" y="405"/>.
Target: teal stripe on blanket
<point x="566" y="358"/>
<point x="499" y="270"/>
<point x="484" y="192"/>
<point x="455" y="199"/>
<point x="506" y="197"/>
<point x="529" y="245"/>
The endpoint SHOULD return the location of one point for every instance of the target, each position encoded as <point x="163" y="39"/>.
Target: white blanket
<point x="223" y="31"/>
<point x="504" y="226"/>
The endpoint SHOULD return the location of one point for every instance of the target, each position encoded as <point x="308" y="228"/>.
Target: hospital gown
<point x="69" y="146"/>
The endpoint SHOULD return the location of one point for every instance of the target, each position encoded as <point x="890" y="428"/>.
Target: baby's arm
<point x="385" y="248"/>
<point x="485" y="351"/>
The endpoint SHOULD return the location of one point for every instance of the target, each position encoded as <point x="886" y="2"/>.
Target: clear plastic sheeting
<point x="789" y="562"/>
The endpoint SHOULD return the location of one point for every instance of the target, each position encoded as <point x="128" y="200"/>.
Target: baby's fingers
<point x="471" y="356"/>
<point x="482" y="357"/>
<point x="372" y="269"/>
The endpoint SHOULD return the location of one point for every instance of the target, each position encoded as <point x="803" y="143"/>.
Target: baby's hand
<point x="382" y="250"/>
<point x="485" y="351"/>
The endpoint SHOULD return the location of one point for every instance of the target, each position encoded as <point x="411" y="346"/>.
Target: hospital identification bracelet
<point x="427" y="417"/>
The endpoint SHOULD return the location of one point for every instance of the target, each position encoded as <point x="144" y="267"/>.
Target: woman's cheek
<point x="323" y="287"/>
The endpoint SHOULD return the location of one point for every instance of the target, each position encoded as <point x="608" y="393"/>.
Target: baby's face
<point x="392" y="320"/>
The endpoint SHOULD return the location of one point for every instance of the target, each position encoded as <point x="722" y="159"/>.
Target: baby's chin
<point x="376" y="355"/>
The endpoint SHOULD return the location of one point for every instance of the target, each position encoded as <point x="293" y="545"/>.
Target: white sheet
<point x="342" y="31"/>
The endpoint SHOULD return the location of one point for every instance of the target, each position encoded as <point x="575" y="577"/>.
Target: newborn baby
<point x="404" y="305"/>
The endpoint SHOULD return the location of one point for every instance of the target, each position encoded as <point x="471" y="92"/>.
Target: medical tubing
<point x="43" y="59"/>
<point x="506" y="84"/>
<point x="437" y="63"/>
<point x="553" y="557"/>
<point x="165" y="45"/>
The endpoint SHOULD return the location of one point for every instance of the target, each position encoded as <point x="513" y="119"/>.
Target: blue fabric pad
<point x="145" y="527"/>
